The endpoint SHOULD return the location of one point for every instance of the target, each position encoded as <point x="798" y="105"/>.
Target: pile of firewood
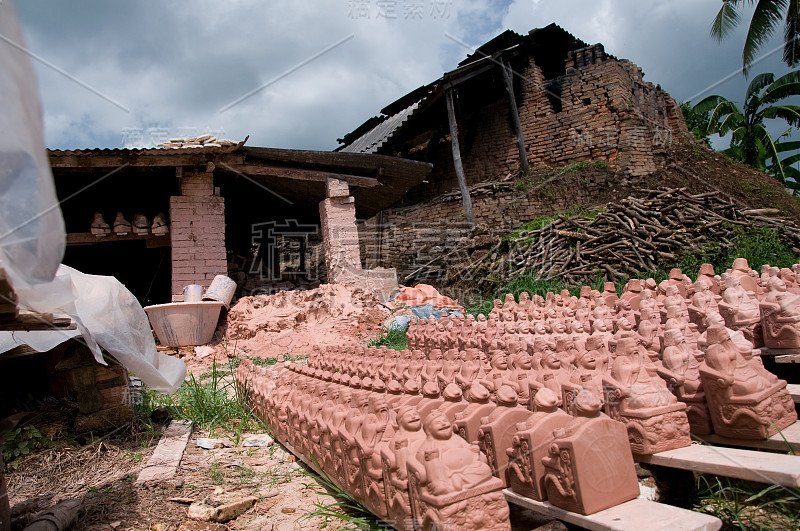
<point x="629" y="237"/>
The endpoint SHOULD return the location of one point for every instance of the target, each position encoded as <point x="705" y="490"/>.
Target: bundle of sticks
<point x="629" y="237"/>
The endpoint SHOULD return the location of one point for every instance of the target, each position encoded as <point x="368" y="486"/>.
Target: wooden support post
<point x="5" y="506"/>
<point x="523" y="156"/>
<point x="462" y="180"/>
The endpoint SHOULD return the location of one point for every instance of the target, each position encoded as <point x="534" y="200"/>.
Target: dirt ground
<point x="102" y="474"/>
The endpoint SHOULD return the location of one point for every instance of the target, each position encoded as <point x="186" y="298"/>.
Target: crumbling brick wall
<point x="600" y="109"/>
<point x="197" y="233"/>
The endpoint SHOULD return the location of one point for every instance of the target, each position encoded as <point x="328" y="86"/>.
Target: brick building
<point x="231" y="210"/>
<point x="545" y="99"/>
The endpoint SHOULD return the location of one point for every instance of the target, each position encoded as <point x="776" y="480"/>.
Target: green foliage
<point x="747" y="505"/>
<point x="394" y="339"/>
<point x="768" y="15"/>
<point x="19" y="442"/>
<point x="758" y="245"/>
<point x="212" y="401"/>
<point x="345" y="510"/>
<point x="696" y="121"/>
<point x="751" y="142"/>
<point x="268" y="362"/>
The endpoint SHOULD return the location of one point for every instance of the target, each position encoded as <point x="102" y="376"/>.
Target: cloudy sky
<point x="302" y="74"/>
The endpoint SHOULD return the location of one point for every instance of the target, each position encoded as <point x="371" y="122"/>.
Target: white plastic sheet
<point x="32" y="239"/>
<point x="31" y="227"/>
<point x="108" y="315"/>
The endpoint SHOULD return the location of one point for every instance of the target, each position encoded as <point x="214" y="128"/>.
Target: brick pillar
<point x="339" y="234"/>
<point x="197" y="233"/>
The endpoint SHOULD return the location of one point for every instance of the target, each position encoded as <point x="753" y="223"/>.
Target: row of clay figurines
<point x="768" y="317"/>
<point x="372" y="444"/>
<point x="650" y="380"/>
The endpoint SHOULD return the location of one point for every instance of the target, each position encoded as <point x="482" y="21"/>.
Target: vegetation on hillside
<point x="751" y="142"/>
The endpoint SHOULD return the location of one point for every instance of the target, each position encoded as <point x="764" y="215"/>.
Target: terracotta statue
<point x="394" y="456"/>
<point x="450" y="483"/>
<point x="637" y="396"/>
<point x="589" y="466"/>
<point x="741" y="311"/>
<point x="525" y="472"/>
<point x="780" y="316"/>
<point x="746" y="401"/>
<point x="498" y="429"/>
<point x="683" y="376"/>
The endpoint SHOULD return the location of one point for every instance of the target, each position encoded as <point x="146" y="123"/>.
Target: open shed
<point x="265" y="216"/>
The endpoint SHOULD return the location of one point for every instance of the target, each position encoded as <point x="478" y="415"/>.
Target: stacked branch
<point x="630" y="237"/>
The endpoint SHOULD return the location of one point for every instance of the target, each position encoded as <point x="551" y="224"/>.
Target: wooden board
<point x="788" y="358"/>
<point x="635" y="515"/>
<point x="764" y="467"/>
<point x="794" y="391"/>
<point x="87" y="238"/>
<point x="775" y="443"/>
<point x="31" y="321"/>
<point x="778" y="351"/>
<point x="164" y="462"/>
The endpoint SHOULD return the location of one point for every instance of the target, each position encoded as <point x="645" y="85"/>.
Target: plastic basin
<point x="184" y="324"/>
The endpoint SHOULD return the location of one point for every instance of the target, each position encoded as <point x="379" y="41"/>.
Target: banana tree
<point x="751" y="142"/>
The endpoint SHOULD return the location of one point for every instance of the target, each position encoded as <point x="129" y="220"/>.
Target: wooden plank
<point x="788" y="358"/>
<point x="462" y="180"/>
<point x="86" y="238"/>
<point x="634" y="515"/>
<point x="794" y="392"/>
<point x="95" y="160"/>
<point x="5" y="506"/>
<point x="763" y="467"/>
<point x="764" y="351"/>
<point x="775" y="443"/>
<point x="301" y="174"/>
<point x="164" y="462"/>
<point x="523" y="156"/>
<point x="27" y="322"/>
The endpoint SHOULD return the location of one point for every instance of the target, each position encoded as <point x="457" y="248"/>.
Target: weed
<point x="211" y="401"/>
<point x="215" y="474"/>
<point x="600" y="165"/>
<point x="347" y="511"/>
<point x="19" y="442"/>
<point x="747" y="505"/>
<point x="394" y="339"/>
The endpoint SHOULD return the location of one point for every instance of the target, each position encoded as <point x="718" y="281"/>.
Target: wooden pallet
<point x="763" y="467"/>
<point x="776" y="443"/>
<point x="634" y="515"/>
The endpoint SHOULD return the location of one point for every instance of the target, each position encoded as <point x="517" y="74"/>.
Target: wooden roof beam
<point x="301" y="174"/>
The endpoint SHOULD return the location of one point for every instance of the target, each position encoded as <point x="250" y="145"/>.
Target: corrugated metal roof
<point x="372" y="140"/>
<point x="140" y="151"/>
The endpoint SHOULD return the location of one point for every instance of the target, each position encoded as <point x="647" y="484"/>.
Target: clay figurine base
<point x="633" y="515"/>
<point x="775" y="443"/>
<point x="762" y="467"/>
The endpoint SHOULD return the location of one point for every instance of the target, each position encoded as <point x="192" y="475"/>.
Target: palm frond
<point x="727" y="19"/>
<point x="789" y="113"/>
<point x="767" y="15"/>
<point x="767" y="143"/>
<point x="758" y="83"/>
<point x="791" y="34"/>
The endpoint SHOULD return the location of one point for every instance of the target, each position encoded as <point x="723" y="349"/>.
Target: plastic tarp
<point x="32" y="239"/>
<point x="31" y="227"/>
<point x="108" y="315"/>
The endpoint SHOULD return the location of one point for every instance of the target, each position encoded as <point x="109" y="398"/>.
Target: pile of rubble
<point x="298" y="321"/>
<point x="197" y="142"/>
